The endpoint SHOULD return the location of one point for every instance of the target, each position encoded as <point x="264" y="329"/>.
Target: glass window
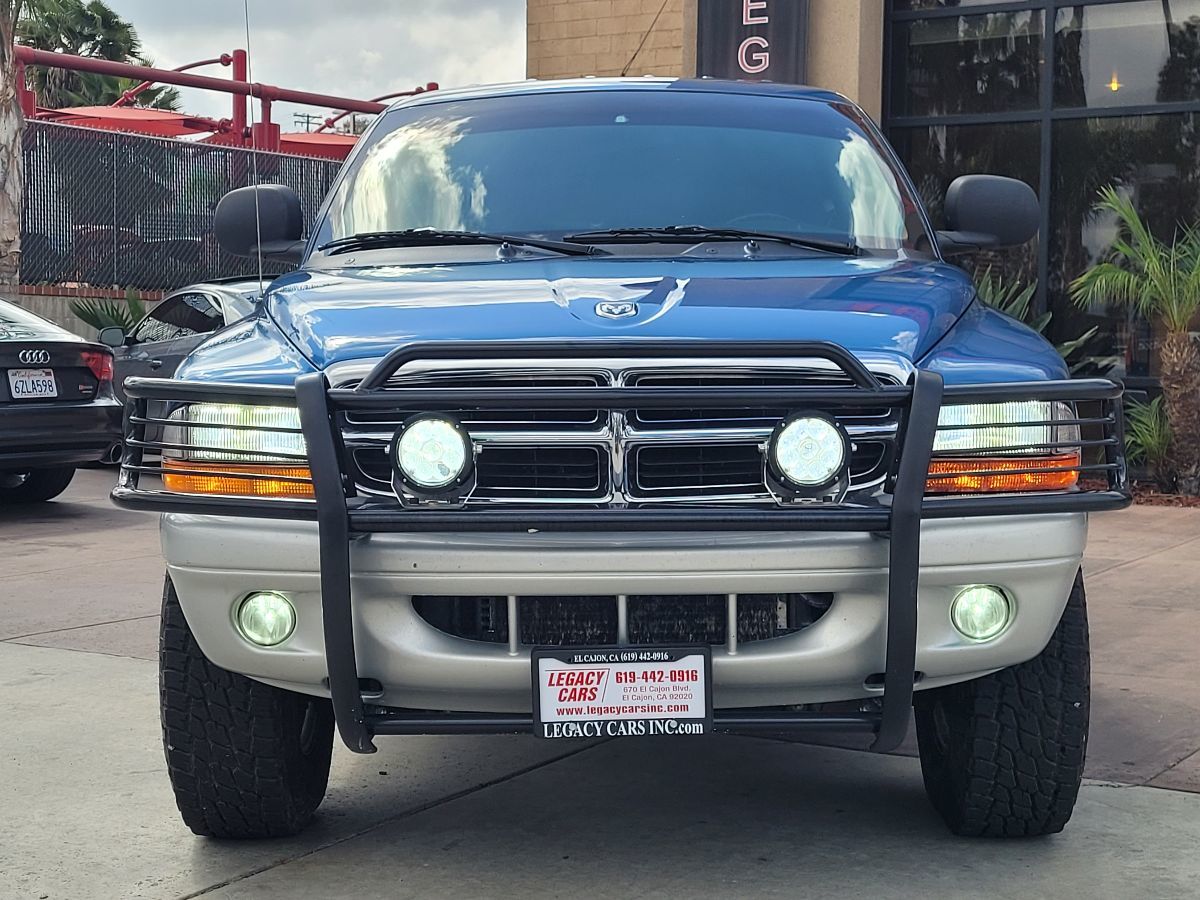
<point x="1155" y="160"/>
<point x="938" y="4"/>
<point x="553" y="164"/>
<point x="966" y="64"/>
<point x="939" y="154"/>
<point x="180" y="316"/>
<point x="1127" y="54"/>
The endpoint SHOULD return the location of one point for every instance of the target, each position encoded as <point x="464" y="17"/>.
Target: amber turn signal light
<point x="237" y="479"/>
<point x="1007" y="474"/>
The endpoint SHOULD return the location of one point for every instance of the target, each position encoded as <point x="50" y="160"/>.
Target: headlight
<point x="1003" y="426"/>
<point x="431" y="453"/>
<point x="237" y="450"/>
<point x="1005" y="447"/>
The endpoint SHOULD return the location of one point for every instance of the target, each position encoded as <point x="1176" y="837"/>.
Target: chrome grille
<point x="733" y="418"/>
<point x="517" y="420"/>
<point x="636" y="456"/>
<point x="511" y="471"/>
<point x="698" y="470"/>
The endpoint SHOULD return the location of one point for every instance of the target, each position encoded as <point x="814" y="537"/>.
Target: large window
<point x="1068" y="97"/>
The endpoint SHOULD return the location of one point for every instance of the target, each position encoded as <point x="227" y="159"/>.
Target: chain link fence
<point x="115" y="210"/>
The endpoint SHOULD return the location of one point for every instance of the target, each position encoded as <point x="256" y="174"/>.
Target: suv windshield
<point x="554" y="165"/>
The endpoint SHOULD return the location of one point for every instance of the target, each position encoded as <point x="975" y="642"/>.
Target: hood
<point x="897" y="306"/>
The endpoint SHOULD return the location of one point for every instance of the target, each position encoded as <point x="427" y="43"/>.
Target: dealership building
<point x="1067" y="96"/>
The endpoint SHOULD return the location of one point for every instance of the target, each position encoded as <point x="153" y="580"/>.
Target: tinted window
<point x="1154" y="160"/>
<point x="553" y="164"/>
<point x="937" y="4"/>
<point x="179" y="316"/>
<point x="965" y="64"/>
<point x="1127" y="54"/>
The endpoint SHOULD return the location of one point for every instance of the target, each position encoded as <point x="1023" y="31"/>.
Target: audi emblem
<point x="34" y="357"/>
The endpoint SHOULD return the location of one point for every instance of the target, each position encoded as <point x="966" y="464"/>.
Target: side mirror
<point x="112" y="336"/>
<point x="986" y="212"/>
<point x="269" y="211"/>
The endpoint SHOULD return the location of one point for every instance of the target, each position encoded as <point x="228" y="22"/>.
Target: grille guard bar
<point x="341" y="514"/>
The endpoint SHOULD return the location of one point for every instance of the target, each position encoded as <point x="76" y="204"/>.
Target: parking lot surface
<point x="85" y="809"/>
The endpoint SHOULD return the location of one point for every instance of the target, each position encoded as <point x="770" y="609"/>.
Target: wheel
<point x="245" y="759"/>
<point x="35" y="485"/>
<point x="1002" y="756"/>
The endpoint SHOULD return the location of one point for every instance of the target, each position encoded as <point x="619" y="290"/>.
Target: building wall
<point x="845" y="50"/>
<point x="570" y="38"/>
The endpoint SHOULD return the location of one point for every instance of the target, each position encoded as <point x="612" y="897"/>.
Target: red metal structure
<point x="263" y="134"/>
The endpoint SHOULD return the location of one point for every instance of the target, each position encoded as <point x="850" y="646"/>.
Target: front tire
<point x="34" y="486"/>
<point x="1002" y="756"/>
<point x="245" y="759"/>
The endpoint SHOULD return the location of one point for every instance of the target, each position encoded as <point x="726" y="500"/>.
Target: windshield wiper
<point x="432" y="237"/>
<point x="681" y="233"/>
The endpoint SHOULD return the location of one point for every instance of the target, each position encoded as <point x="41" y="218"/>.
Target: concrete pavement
<point x="85" y="810"/>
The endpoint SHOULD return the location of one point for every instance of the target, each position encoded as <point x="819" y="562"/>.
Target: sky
<point x="350" y="48"/>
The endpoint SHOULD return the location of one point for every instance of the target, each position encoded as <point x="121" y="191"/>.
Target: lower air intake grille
<point x="593" y="621"/>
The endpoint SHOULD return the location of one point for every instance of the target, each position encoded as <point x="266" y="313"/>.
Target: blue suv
<point x="615" y="408"/>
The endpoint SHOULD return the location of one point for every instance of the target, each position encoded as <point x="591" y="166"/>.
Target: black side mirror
<point x="274" y="214"/>
<point x="112" y="336"/>
<point x="986" y="212"/>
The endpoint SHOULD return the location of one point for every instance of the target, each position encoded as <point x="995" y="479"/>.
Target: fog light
<point x="432" y="452"/>
<point x="266" y="618"/>
<point x="809" y="450"/>
<point x="981" y="612"/>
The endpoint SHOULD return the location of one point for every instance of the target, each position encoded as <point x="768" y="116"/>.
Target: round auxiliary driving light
<point x="981" y="612"/>
<point x="266" y="618"/>
<point x="432" y="452"/>
<point x="809" y="451"/>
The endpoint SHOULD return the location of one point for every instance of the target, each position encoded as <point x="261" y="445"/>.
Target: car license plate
<point x="610" y="692"/>
<point x="29" y="384"/>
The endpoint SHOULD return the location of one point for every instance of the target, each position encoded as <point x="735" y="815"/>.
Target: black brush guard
<point x="341" y="514"/>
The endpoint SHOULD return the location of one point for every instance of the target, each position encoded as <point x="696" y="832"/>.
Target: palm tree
<point x="90" y="29"/>
<point x="1157" y="280"/>
<point x="12" y="178"/>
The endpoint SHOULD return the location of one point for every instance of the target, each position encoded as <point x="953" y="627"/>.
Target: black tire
<point x="35" y="485"/>
<point x="1002" y="756"/>
<point x="246" y="760"/>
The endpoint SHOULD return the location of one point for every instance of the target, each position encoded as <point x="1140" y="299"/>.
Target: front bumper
<point x="214" y="562"/>
<point x="36" y="435"/>
<point x="889" y="622"/>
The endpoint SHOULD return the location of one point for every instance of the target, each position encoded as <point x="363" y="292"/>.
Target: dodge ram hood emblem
<point x="616" y="309"/>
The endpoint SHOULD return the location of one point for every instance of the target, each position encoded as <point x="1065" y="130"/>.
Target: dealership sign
<point x="752" y="39"/>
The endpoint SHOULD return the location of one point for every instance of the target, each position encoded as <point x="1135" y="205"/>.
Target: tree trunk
<point x="12" y="168"/>
<point x="1180" y="360"/>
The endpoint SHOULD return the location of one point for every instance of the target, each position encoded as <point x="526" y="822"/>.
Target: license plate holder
<point x="32" y="384"/>
<point x="590" y="692"/>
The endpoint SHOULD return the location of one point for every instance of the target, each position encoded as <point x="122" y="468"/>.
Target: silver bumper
<point x="215" y="561"/>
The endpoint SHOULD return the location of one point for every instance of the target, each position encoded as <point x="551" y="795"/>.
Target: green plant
<point x="85" y="28"/>
<point x="124" y="314"/>
<point x="1010" y="298"/>
<point x="1015" y="300"/>
<point x="1148" y="440"/>
<point x="1158" y="280"/>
